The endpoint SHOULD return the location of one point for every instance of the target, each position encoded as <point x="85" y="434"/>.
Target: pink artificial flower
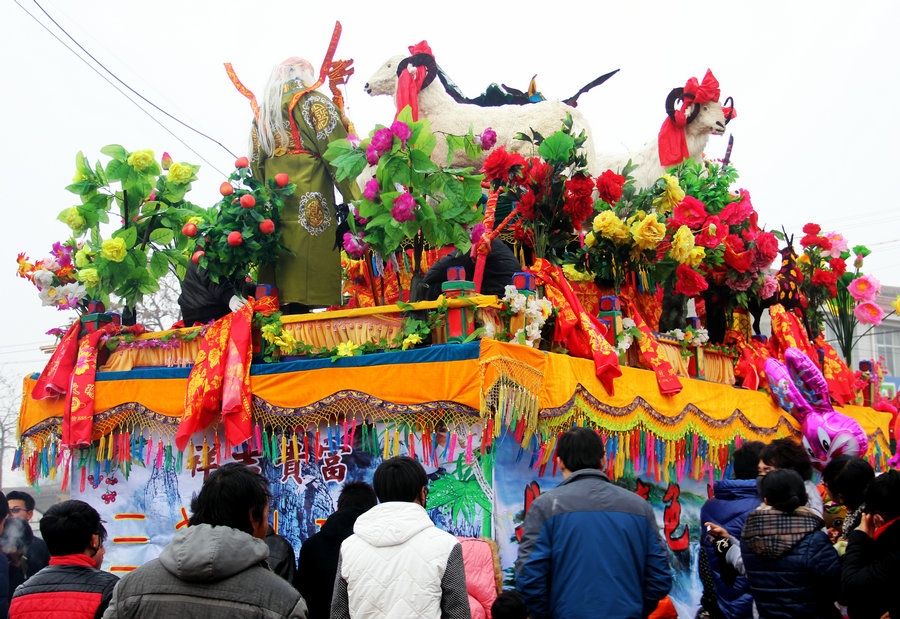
<point x="371" y="191"/>
<point x="768" y="287"/>
<point x="354" y="140"/>
<point x="371" y="155"/>
<point x="838" y="245"/>
<point x="404" y="207"/>
<point x="738" y="283"/>
<point x="869" y="313"/>
<point x="859" y="261"/>
<point x="488" y="139"/>
<point x="383" y="140"/>
<point x="401" y="130"/>
<point x="477" y="232"/>
<point x="354" y="245"/>
<point x="864" y="288"/>
<point x="62" y="253"/>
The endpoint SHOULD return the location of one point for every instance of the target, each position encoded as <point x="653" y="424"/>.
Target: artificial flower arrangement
<point x="551" y="191"/>
<point x="627" y="336"/>
<point x="148" y="199"/>
<point x="410" y="197"/>
<point x="241" y="232"/>
<point x="535" y="311"/>
<point x="689" y="336"/>
<point x="834" y="295"/>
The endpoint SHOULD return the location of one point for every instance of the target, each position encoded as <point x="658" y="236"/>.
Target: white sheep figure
<point x="701" y="115"/>
<point x="448" y="116"/>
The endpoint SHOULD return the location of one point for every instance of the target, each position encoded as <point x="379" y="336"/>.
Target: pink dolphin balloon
<point x="802" y="391"/>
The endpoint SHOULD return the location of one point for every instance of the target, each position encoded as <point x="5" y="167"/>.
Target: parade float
<point x="631" y="314"/>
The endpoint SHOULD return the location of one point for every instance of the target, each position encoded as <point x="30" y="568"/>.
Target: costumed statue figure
<point x="293" y="130"/>
<point x="801" y="390"/>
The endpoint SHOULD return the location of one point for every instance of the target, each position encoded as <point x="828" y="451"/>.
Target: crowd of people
<point x="589" y="548"/>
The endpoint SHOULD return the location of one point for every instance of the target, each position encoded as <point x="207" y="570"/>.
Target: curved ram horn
<point x="729" y="103"/>
<point x="677" y="94"/>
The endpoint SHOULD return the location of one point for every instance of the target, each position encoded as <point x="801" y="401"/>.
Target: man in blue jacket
<point x="590" y="548"/>
<point x="729" y="597"/>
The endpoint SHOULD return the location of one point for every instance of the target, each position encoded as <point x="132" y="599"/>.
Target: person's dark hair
<point x="883" y="495"/>
<point x="848" y="476"/>
<point x="580" y="448"/>
<point x="357" y="495"/>
<point x="783" y="489"/>
<point x="509" y="605"/>
<point x="228" y="495"/>
<point x="4" y="507"/>
<point x="786" y="453"/>
<point x="400" y="478"/>
<point x="746" y="459"/>
<point x="67" y="527"/>
<point x="17" y="495"/>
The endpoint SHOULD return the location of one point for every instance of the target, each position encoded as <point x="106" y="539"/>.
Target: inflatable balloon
<point x="801" y="390"/>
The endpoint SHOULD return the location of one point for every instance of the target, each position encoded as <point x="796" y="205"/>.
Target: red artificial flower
<point x="578" y="203"/>
<point x="712" y="234"/>
<point x="734" y="243"/>
<point x="740" y="261"/>
<point x="498" y="165"/>
<point x="538" y="172"/>
<point x="609" y="185"/>
<point x="738" y="211"/>
<point x="526" y="205"/>
<point x="521" y="233"/>
<point x="812" y="229"/>
<point x="690" y="212"/>
<point x="825" y="279"/>
<point x="838" y="266"/>
<point x="765" y="251"/>
<point x="688" y="281"/>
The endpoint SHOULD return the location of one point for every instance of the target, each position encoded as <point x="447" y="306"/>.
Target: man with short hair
<point x="73" y="582"/>
<point x="4" y="563"/>
<point x="37" y="556"/>
<point x="318" y="559"/>
<point x="216" y="566"/>
<point x="590" y="548"/>
<point x="397" y="563"/>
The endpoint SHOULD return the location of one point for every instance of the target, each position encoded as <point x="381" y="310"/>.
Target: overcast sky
<point x="814" y="84"/>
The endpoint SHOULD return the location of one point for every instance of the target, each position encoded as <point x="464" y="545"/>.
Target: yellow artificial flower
<point x="804" y="258"/>
<point x="672" y="195"/>
<point x="682" y="244"/>
<point x="574" y="275"/>
<point x="74" y="219"/>
<point x="648" y="232"/>
<point x="114" y="249"/>
<point x="180" y="173"/>
<point x="197" y="220"/>
<point x="411" y="340"/>
<point x="897" y="305"/>
<point x="590" y="240"/>
<point x="80" y="176"/>
<point x="285" y="342"/>
<point x="611" y="227"/>
<point x="89" y="277"/>
<point x="638" y="216"/>
<point x="346" y="349"/>
<point x="140" y="159"/>
<point x="697" y="256"/>
<point x="83" y="257"/>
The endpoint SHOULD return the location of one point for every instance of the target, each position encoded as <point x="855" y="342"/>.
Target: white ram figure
<point x="448" y="116"/>
<point x="701" y="115"/>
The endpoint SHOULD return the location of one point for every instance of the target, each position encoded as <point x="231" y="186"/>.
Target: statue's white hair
<point x="272" y="121"/>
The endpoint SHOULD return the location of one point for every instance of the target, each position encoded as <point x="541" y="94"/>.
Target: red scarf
<point x="409" y="84"/>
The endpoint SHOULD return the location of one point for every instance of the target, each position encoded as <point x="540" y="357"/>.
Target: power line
<point x="119" y="90"/>
<point x="116" y="77"/>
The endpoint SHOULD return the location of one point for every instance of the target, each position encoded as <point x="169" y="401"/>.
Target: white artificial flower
<point x="49" y="296"/>
<point x="625" y="343"/>
<point x="701" y="336"/>
<point x="518" y="304"/>
<point x="43" y="279"/>
<point x="678" y="334"/>
<point x="51" y="264"/>
<point x="510" y="292"/>
<point x="628" y="323"/>
<point x="74" y="291"/>
<point x="533" y="331"/>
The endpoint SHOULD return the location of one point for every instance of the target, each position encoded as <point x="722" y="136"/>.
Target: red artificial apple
<point x="248" y="201"/>
<point x="241" y="162"/>
<point x="235" y="239"/>
<point x="189" y="229"/>
<point x="226" y="189"/>
<point x="267" y="226"/>
<point x="281" y="179"/>
<point x="196" y="256"/>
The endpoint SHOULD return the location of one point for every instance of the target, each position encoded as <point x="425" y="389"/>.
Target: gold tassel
<point x="283" y="448"/>
<point x="294" y="445"/>
<point x="189" y="461"/>
<point x="101" y="449"/>
<point x="205" y="456"/>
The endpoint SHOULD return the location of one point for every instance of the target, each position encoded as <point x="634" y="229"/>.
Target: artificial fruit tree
<point x="409" y="197"/>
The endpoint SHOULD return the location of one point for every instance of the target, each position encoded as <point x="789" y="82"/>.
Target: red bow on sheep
<point x="409" y="83"/>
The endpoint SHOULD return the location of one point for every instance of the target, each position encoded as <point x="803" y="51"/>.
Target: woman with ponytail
<point x="793" y="570"/>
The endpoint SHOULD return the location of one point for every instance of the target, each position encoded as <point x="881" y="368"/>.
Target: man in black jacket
<point x="317" y="563"/>
<point x="72" y="584"/>
<point x="37" y="557"/>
